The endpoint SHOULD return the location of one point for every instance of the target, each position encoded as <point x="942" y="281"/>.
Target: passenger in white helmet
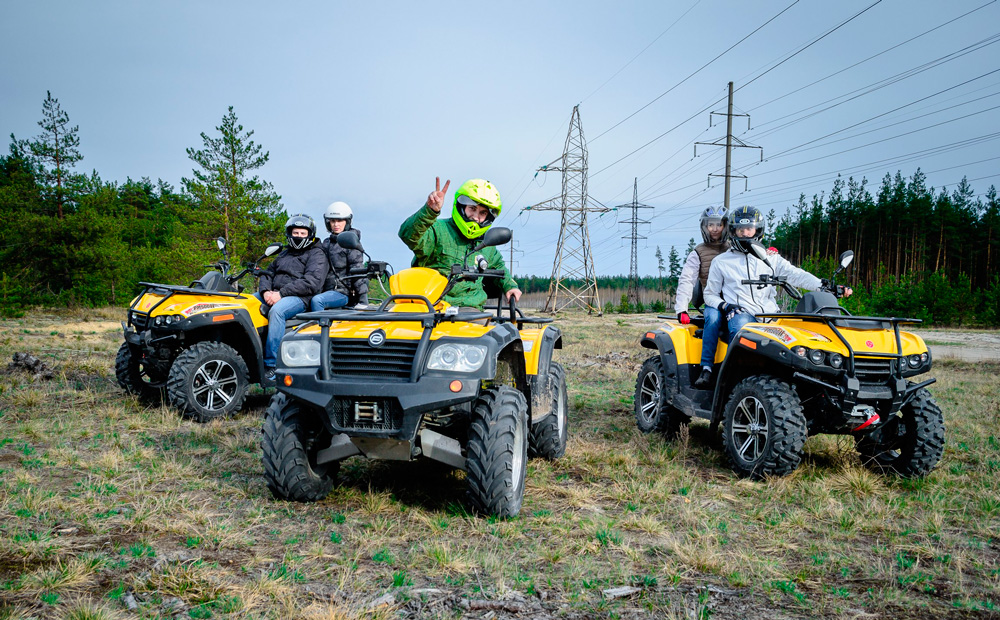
<point x="339" y="290"/>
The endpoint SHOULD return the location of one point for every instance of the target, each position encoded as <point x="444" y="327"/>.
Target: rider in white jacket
<point x="737" y="302"/>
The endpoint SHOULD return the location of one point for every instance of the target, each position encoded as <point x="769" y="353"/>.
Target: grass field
<point x="109" y="509"/>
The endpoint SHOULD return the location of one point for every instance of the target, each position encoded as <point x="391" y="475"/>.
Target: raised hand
<point x="435" y="199"/>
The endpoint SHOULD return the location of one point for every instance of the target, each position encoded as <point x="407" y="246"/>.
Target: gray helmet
<point x="714" y="215"/>
<point x="300" y="221"/>
<point x="745" y="217"/>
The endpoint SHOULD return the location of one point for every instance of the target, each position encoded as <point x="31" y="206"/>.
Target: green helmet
<point x="475" y="192"/>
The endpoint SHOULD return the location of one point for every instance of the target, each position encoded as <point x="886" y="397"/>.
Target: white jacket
<point x="685" y="283"/>
<point x="730" y="268"/>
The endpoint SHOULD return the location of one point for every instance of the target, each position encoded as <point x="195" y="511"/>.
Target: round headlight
<point x="836" y="360"/>
<point x="474" y="356"/>
<point x="158" y="320"/>
<point x="923" y="357"/>
<point x="800" y="351"/>
<point x="449" y="355"/>
<point x="913" y="361"/>
<point x="816" y="356"/>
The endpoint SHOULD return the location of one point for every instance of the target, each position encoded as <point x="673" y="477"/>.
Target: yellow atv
<point x="818" y="369"/>
<point x="201" y="343"/>
<point x="417" y="378"/>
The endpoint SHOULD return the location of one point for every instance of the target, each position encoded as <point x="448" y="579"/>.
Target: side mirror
<point x="493" y="237"/>
<point x="759" y="251"/>
<point x="349" y="240"/>
<point x="272" y="249"/>
<point x="846" y="258"/>
<point x="221" y="243"/>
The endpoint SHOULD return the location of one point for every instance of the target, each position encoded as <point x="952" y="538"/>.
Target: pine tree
<point x="250" y="211"/>
<point x="55" y="150"/>
<point x="675" y="264"/>
<point x="659" y="264"/>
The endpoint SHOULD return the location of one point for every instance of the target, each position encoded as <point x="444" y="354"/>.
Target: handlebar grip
<point x="358" y="271"/>
<point x="493" y="272"/>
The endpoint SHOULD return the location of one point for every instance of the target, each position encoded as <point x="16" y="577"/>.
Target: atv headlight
<point x="913" y="360"/>
<point x="300" y="353"/>
<point x="836" y="360"/>
<point x="457" y="357"/>
<point x="816" y="356"/>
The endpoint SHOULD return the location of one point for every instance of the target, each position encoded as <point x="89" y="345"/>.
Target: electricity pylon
<point x="632" y="293"/>
<point x="573" y="260"/>
<point x="730" y="138"/>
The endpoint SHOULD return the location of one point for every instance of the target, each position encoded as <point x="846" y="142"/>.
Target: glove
<point x="772" y="251"/>
<point x="684" y="318"/>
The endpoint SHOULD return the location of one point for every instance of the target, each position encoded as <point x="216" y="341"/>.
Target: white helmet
<point x="338" y="211"/>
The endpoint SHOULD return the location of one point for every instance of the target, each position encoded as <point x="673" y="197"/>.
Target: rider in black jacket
<point x="339" y="290"/>
<point x="290" y="281"/>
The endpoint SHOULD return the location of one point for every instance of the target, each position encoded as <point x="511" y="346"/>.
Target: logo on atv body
<point x="376" y="338"/>
<point x="869" y="344"/>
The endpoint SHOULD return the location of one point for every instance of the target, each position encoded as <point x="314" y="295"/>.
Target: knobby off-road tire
<point x="497" y="452"/>
<point x="909" y="444"/>
<point x="653" y="411"/>
<point x="292" y="437"/>
<point x="548" y="436"/>
<point x="764" y="428"/>
<point x="134" y="378"/>
<point x="208" y="381"/>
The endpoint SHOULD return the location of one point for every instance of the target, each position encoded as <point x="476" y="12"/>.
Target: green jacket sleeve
<point x="417" y="234"/>
<point x="495" y="261"/>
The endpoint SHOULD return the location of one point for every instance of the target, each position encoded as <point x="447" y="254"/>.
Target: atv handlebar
<point x="769" y="280"/>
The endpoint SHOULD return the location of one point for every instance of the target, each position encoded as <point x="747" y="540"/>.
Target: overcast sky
<point x="367" y="102"/>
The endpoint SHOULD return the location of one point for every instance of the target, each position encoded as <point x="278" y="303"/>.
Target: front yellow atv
<point x="816" y="370"/>
<point x="417" y="378"/>
<point x="201" y="344"/>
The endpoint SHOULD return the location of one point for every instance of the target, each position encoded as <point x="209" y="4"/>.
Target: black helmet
<point x="300" y="221"/>
<point x="745" y="217"/>
<point x="714" y="215"/>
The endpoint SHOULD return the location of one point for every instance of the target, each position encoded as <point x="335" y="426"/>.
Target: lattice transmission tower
<point x="573" y="260"/>
<point x="632" y="294"/>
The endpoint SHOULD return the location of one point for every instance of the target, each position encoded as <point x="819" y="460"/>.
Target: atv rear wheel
<point x="208" y="381"/>
<point x="908" y="444"/>
<point x="548" y="436"/>
<point x="497" y="451"/>
<point x="137" y="378"/>
<point x="764" y="428"/>
<point x="291" y="440"/>
<point x="653" y="411"/>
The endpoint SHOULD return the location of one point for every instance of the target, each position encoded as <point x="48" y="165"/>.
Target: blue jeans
<point x="286" y="308"/>
<point x="327" y="300"/>
<point x="710" y="335"/>
<point x="737" y="322"/>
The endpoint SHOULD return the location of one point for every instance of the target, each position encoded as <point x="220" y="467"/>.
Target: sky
<point x="368" y="102"/>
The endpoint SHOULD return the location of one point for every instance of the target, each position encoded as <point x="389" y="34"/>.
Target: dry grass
<point x="105" y="504"/>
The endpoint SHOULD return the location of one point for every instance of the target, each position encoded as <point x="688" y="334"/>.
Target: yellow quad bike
<point x="818" y="369"/>
<point x="418" y="378"/>
<point x="202" y="343"/>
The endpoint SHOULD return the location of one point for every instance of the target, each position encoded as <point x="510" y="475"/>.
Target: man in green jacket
<point x="439" y="244"/>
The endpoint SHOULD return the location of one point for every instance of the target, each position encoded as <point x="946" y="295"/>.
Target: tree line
<point x="68" y="237"/>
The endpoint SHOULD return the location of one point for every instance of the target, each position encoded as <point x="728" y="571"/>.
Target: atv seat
<point x="697" y="303"/>
<point x="212" y="281"/>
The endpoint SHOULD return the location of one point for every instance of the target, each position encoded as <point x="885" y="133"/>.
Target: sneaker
<point x="704" y="379"/>
<point x="269" y="374"/>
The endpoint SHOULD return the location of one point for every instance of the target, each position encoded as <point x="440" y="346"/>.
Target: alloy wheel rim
<point x="750" y="429"/>
<point x="215" y="384"/>
<point x="517" y="460"/>
<point x="649" y="396"/>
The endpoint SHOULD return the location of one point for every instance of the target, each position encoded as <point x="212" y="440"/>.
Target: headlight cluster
<point x="457" y="357"/>
<point x="298" y="353"/>
<point x="916" y="360"/>
<point x="167" y="319"/>
<point x="819" y="357"/>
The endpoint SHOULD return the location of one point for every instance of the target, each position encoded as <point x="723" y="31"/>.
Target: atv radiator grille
<point x="874" y="376"/>
<point x="383" y="414"/>
<point x="139" y="321"/>
<point x="356" y="358"/>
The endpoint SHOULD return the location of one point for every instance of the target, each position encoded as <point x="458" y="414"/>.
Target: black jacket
<point x="297" y="273"/>
<point x="342" y="261"/>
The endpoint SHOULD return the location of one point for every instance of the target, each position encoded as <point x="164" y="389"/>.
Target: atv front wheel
<point x="137" y="378"/>
<point x="764" y="428"/>
<point x="208" y="381"/>
<point x="548" y="436"/>
<point x="653" y="411"/>
<point x="908" y="444"/>
<point x="497" y="451"/>
<point x="291" y="441"/>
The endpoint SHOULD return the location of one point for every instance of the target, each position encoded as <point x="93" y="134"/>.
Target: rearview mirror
<point x="221" y="243"/>
<point x="493" y="237"/>
<point x="272" y="249"/>
<point x="759" y="250"/>
<point x="349" y="240"/>
<point x="846" y="258"/>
